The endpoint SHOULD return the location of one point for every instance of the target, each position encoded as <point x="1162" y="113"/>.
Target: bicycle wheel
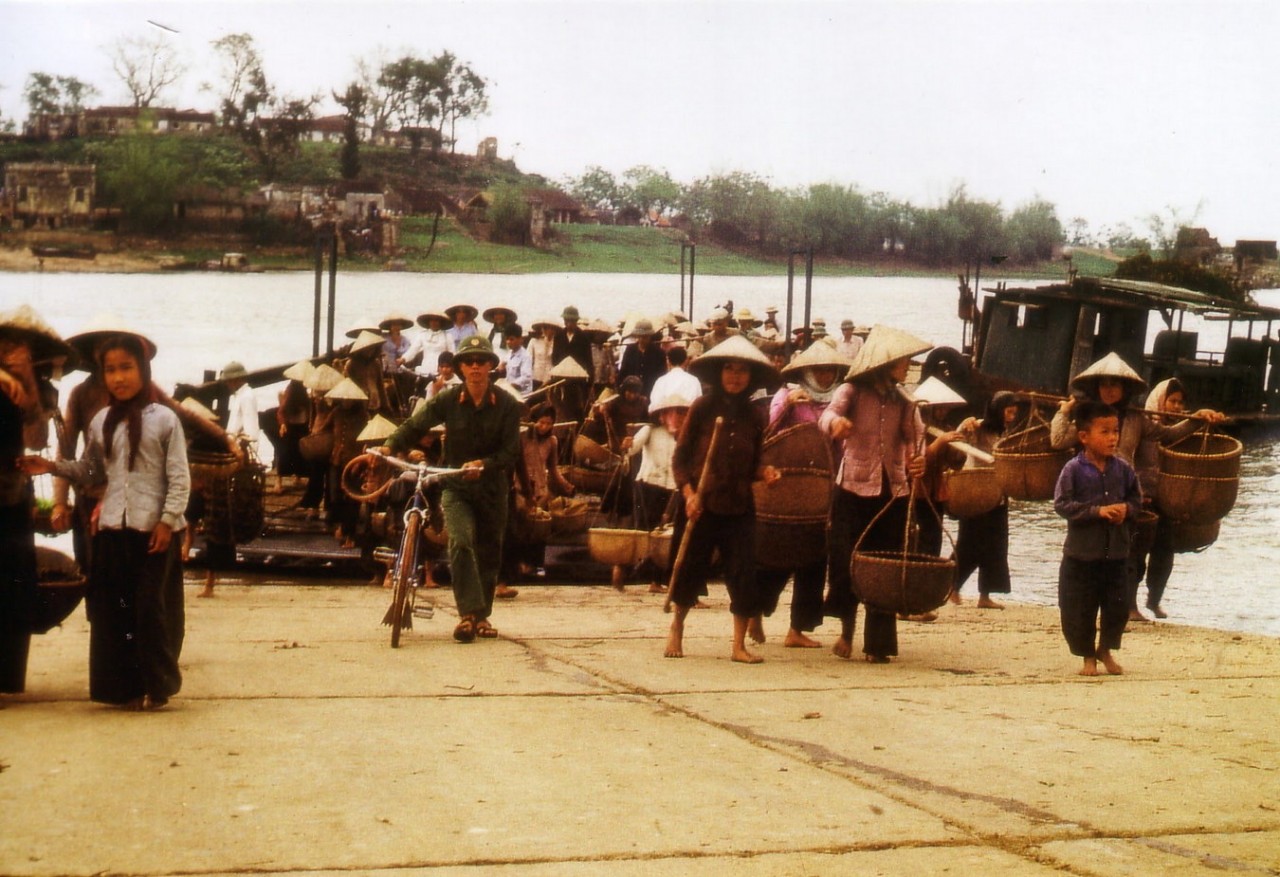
<point x="402" y="578"/>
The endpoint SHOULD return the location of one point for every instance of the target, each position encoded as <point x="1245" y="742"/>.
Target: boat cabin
<point x="1037" y="338"/>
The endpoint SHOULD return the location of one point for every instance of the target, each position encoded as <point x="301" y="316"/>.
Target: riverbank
<point x="302" y="742"/>
<point x="573" y="249"/>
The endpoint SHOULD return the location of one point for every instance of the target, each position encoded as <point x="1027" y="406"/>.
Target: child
<point x="137" y="447"/>
<point x="655" y="483"/>
<point x="1097" y="493"/>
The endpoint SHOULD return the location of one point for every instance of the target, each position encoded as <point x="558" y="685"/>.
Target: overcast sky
<point x="1110" y="110"/>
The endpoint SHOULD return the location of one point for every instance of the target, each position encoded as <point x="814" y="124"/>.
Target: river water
<point x="201" y="321"/>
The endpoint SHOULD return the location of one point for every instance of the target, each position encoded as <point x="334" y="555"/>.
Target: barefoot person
<point x="482" y="429"/>
<point x="1097" y="493"/>
<point x="723" y="517"/>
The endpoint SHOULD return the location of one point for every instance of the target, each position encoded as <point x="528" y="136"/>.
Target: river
<point x="200" y="321"/>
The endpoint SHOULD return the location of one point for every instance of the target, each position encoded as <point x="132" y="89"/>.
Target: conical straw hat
<point x="671" y="400"/>
<point x="1110" y="366"/>
<point x="569" y="369"/>
<point x="323" y="379"/>
<point x="45" y="342"/>
<point x="348" y="389"/>
<point x="937" y="394"/>
<point x="504" y="384"/>
<point x="735" y="348"/>
<point x="366" y="340"/>
<point x="376" y="430"/>
<point x="816" y="355"/>
<point x="884" y="345"/>
<point x="395" y="319"/>
<point x="99" y="329"/>
<point x="300" y="371"/>
<point x="364" y="324"/>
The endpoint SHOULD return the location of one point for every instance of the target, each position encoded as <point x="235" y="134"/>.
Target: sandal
<point x="465" y="632"/>
<point x="485" y="630"/>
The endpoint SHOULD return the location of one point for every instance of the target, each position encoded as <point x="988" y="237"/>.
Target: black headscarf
<point x="128" y="410"/>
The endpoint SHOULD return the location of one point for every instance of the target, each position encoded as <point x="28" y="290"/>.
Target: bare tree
<point x="146" y="66"/>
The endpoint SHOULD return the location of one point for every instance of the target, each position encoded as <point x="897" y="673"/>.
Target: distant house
<point x="292" y="202"/>
<point x="113" y="121"/>
<point x="52" y="126"/>
<point x="1255" y="251"/>
<point x="49" y="195"/>
<point x="557" y="207"/>
<point x="325" y="129"/>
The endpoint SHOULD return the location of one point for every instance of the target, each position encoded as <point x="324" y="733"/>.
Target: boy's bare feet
<point x="1090" y="667"/>
<point x="797" y="640"/>
<point x="1104" y="655"/>
<point x="954" y="598"/>
<point x="842" y="648"/>
<point x="742" y="656"/>
<point x="755" y="629"/>
<point x="985" y="602"/>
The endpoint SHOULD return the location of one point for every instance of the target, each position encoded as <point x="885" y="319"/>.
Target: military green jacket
<point x="489" y="432"/>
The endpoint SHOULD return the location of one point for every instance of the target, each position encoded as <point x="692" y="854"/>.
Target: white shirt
<point x="156" y="490"/>
<point x="540" y="351"/>
<point x="849" y="349"/>
<point x="430" y="343"/>
<point x="676" y="382"/>
<point x="242" y="413"/>
<point x="658" y="447"/>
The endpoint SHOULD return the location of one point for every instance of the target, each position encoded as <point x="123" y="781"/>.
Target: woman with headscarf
<point x="1113" y="382"/>
<point x="883" y="437"/>
<point x="720" y="512"/>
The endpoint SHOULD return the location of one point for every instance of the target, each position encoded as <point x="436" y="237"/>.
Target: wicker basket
<point x="972" y="492"/>
<point x="533" y="525"/>
<point x="1189" y="538"/>
<point x="1190" y="499"/>
<point x="902" y="582"/>
<point x="802" y="495"/>
<point x="1203" y="454"/>
<point x="588" y="480"/>
<point x="660" y="547"/>
<point x="1144" y="532"/>
<point x="568" y="517"/>
<point x="1027" y="466"/>
<point x="62" y="586"/>
<point x="617" y="547"/>
<point x="209" y="466"/>
<point x="591" y="452"/>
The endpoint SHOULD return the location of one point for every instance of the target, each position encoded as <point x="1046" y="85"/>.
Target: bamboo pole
<point x="688" y="530"/>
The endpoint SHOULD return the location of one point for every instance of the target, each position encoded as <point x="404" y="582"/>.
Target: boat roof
<point x="1142" y="294"/>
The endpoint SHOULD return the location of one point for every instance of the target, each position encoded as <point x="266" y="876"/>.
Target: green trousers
<point x="475" y="516"/>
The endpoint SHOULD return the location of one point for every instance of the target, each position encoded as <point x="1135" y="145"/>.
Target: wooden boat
<point x="64" y="252"/>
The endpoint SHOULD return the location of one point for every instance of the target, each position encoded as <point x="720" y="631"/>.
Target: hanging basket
<point x="588" y="480"/>
<point x="972" y="492"/>
<point x="1189" y="538"/>
<point x="234" y="506"/>
<point x="1203" y="454"/>
<point x="660" y="547"/>
<point x="532" y="525"/>
<point x="1027" y="466"/>
<point x="617" y="547"/>
<point x="902" y="582"/>
<point x="568" y="516"/>
<point x="1143" y="537"/>
<point x="1199" y="478"/>
<point x="209" y="466"/>
<point x="61" y="588"/>
<point x="591" y="453"/>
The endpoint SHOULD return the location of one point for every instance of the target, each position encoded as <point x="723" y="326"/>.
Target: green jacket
<point x="489" y="432"/>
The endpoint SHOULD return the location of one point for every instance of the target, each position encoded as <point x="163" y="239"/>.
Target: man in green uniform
<point x="482" y="436"/>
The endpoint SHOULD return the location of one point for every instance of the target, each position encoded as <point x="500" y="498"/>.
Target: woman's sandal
<point x="465" y="632"/>
<point x="485" y="630"/>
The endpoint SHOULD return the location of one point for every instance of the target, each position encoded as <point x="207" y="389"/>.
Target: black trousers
<point x="851" y="516"/>
<point x="806" y="594"/>
<point x="982" y="544"/>
<point x="734" y="537"/>
<point x="1157" y="566"/>
<point x="1092" y="605"/>
<point x="18" y="592"/>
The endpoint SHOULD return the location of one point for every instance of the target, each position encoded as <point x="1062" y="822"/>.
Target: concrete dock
<point x="303" y="744"/>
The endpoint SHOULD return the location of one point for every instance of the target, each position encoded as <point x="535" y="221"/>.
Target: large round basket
<point x="532" y="525"/>
<point x="660" y="547"/>
<point x="588" y="480"/>
<point x="1203" y="454"/>
<point x="802" y="456"/>
<point x="207" y="466"/>
<point x="568" y="517"/>
<point x="1027" y="466"/>
<point x="1144" y="532"/>
<point x="617" y="547"/>
<point x="234" y="506"/>
<point x="906" y="583"/>
<point x="1189" y="538"/>
<point x="972" y="492"/>
<point x="1193" y="499"/>
<point x="591" y="452"/>
<point x="61" y="587"/>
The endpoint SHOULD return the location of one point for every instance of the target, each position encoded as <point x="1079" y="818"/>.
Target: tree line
<point x="745" y="210"/>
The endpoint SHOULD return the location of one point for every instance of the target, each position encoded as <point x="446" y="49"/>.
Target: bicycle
<point x="405" y="562"/>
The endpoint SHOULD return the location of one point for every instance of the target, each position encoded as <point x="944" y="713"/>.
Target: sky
<point x="1112" y="111"/>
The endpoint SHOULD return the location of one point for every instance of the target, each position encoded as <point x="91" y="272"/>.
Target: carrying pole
<point x="688" y="527"/>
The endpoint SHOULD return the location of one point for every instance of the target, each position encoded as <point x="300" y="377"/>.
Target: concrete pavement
<point x="302" y="743"/>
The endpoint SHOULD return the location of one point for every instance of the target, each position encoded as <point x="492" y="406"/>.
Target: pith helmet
<point x="233" y="370"/>
<point x="475" y="347"/>
<point x="735" y="348"/>
<point x="884" y="345"/>
<point x="1110" y="366"/>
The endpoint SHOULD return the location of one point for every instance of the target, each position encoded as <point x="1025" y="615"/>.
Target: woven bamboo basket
<point x="534" y="525"/>
<point x="591" y="452"/>
<point x="568" y="517"/>
<point x="1027" y="466"/>
<point x="903" y="582"/>
<point x="1203" y="454"/>
<point x="1189" y="538"/>
<point x="61" y="588"/>
<point x="1144" y="532"/>
<point x="791" y="513"/>
<point x="209" y="466"/>
<point x="1191" y="499"/>
<point x="972" y="492"/>
<point x="588" y="480"/>
<point x="617" y="547"/>
<point x="660" y="547"/>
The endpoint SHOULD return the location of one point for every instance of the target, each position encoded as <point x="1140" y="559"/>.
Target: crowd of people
<point x="677" y="414"/>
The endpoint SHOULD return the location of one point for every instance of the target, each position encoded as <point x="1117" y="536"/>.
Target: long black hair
<point x="128" y="410"/>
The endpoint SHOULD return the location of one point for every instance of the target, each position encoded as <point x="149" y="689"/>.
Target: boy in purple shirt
<point x="1098" y="494"/>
